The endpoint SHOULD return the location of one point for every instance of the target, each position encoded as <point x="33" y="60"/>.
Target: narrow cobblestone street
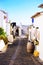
<point x="16" y="54"/>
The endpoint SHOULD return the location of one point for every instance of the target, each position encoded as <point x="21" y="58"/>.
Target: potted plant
<point x="3" y="40"/>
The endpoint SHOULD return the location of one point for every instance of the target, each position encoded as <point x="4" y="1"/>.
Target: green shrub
<point x="3" y="35"/>
<point x="4" y="38"/>
<point x="2" y="32"/>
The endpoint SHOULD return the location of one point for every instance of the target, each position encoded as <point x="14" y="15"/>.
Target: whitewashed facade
<point x="3" y="19"/>
<point x="38" y="22"/>
<point x="4" y="22"/>
<point x="8" y="28"/>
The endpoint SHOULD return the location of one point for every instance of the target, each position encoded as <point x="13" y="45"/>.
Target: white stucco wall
<point x="2" y="20"/>
<point x="8" y="28"/>
<point x="38" y="21"/>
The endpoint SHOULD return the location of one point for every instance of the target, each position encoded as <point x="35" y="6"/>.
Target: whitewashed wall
<point x="38" y="21"/>
<point x="2" y="20"/>
<point x="8" y="28"/>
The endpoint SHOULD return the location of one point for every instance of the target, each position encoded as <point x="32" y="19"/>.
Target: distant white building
<point x="24" y="29"/>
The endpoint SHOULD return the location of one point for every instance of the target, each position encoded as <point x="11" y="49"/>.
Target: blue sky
<point x="20" y="11"/>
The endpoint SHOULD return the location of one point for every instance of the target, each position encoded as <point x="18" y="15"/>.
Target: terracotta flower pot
<point x="30" y="47"/>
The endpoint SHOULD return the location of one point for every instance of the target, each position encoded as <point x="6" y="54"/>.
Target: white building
<point x="4" y="22"/>
<point x="38" y="22"/>
<point x="3" y="19"/>
<point x="24" y="29"/>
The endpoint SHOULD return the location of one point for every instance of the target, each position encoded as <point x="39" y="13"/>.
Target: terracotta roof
<point x="40" y="6"/>
<point x="3" y="11"/>
<point x="37" y="14"/>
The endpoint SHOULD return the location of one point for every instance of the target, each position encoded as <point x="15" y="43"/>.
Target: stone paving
<point x="16" y="54"/>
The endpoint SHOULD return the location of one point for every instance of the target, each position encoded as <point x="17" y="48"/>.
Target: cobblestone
<point x="22" y="57"/>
